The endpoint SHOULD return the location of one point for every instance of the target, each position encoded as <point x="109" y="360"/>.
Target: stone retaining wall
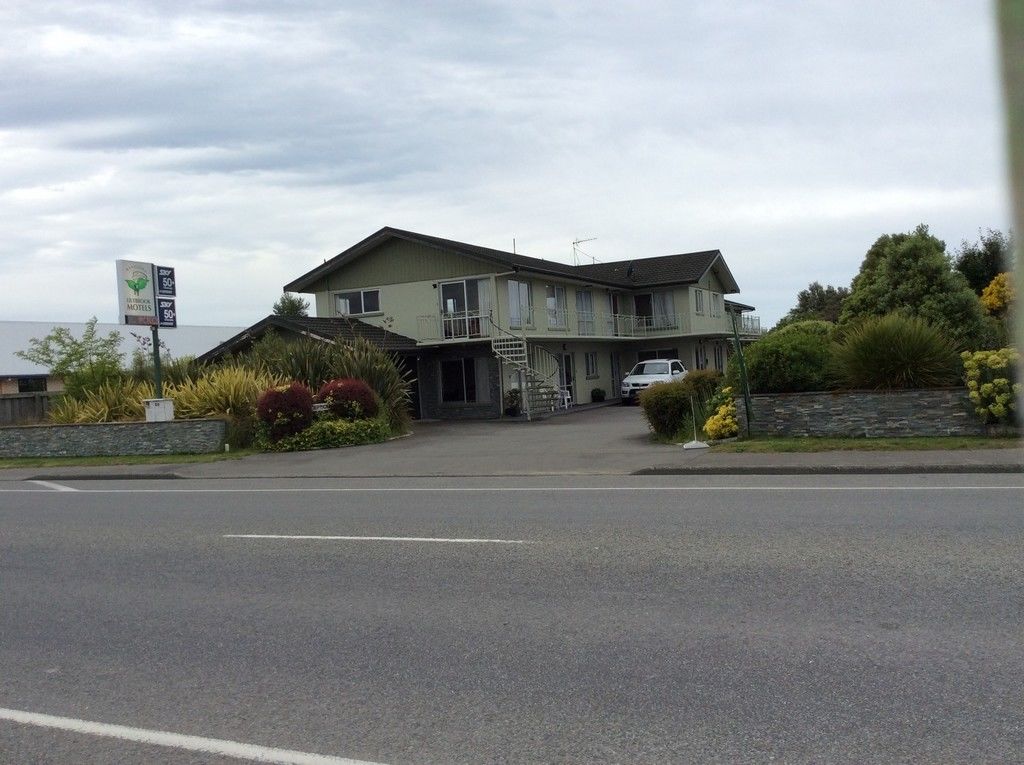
<point x="873" y="414"/>
<point x="113" y="439"/>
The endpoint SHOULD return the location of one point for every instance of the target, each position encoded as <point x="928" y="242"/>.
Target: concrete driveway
<point x="604" y="440"/>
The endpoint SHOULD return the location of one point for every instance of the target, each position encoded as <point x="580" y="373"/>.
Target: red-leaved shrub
<point x="348" y="398"/>
<point x="286" y="411"/>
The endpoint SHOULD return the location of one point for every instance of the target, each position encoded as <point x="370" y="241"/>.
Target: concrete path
<point x="604" y="441"/>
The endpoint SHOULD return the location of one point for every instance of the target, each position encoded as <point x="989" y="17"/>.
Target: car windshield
<point x="651" y="368"/>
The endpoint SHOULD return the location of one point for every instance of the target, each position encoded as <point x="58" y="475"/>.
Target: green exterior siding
<point x="399" y="262"/>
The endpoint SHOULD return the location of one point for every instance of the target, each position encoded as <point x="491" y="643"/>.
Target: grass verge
<point x="128" y="459"/>
<point x="812" y="444"/>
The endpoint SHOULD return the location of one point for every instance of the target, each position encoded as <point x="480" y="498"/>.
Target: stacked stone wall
<point x="113" y="439"/>
<point x="871" y="414"/>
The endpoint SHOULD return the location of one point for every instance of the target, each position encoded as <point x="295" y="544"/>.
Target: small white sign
<point x="135" y="294"/>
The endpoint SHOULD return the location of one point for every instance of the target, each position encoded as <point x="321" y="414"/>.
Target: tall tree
<point x="291" y="305"/>
<point x="980" y="262"/>
<point x="911" y="273"/>
<point x="83" y="363"/>
<point x="817" y="302"/>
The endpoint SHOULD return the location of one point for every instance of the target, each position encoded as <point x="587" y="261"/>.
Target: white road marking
<point x="222" y="747"/>
<point x="54" y="486"/>
<point x="504" y="489"/>
<point x="382" y="539"/>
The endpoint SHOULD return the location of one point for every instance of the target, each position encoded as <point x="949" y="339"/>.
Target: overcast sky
<point x="245" y="142"/>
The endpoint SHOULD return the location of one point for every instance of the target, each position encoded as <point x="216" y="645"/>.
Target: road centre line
<point x="222" y="747"/>
<point x="53" y="486"/>
<point x="504" y="489"/>
<point x="381" y="539"/>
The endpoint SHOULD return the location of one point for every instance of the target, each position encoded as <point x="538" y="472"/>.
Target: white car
<point x="646" y="373"/>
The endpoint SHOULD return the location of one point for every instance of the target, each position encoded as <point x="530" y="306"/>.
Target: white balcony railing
<point x="751" y="325"/>
<point x="461" y="325"/>
<point x="468" y="325"/>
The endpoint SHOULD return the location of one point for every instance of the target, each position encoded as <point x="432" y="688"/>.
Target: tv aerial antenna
<point x="576" y="250"/>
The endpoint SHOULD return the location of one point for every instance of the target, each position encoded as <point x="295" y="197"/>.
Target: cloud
<point x="245" y="142"/>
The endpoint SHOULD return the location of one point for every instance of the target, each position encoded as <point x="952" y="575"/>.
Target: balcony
<point x="750" y="326"/>
<point x="461" y="325"/>
<point x="534" y="323"/>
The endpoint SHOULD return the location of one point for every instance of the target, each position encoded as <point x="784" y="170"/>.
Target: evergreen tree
<point x="817" y="302"/>
<point x="910" y="273"/>
<point x="291" y="305"/>
<point x="980" y="262"/>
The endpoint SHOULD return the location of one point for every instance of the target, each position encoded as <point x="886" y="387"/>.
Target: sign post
<point x="145" y="295"/>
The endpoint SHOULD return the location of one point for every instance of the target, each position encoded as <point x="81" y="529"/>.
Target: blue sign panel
<point x="166" y="312"/>
<point x="165" y="285"/>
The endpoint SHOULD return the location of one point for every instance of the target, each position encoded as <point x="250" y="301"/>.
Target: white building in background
<point x="20" y="376"/>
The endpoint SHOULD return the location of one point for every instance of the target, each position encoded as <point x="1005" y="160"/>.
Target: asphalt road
<point x="661" y="619"/>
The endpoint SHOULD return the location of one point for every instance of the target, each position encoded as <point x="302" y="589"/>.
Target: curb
<point x="832" y="470"/>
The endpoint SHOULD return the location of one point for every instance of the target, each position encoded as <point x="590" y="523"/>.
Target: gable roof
<point x="326" y="330"/>
<point x="676" y="269"/>
<point x="684" y="268"/>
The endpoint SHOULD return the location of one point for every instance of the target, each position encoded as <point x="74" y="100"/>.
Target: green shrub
<point x="116" y="400"/>
<point x="895" y="352"/>
<point x="597" y="394"/>
<point x="173" y="371"/>
<point x="285" y="410"/>
<point x="795" y="358"/>
<point x="513" y="402"/>
<point x="314" y="362"/>
<point x="382" y="371"/>
<point x="240" y="431"/>
<point x="820" y="327"/>
<point x="348" y="399"/>
<point x="84" y="364"/>
<point x="667" y="405"/>
<point x="702" y="383"/>
<point x="992" y="379"/>
<point x="304" y="359"/>
<point x="224" y="391"/>
<point x="326" y="433"/>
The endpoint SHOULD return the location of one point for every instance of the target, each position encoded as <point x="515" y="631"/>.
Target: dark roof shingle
<point x="321" y="328"/>
<point x="642" y="272"/>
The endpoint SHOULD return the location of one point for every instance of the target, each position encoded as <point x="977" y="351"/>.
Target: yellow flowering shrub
<point x="723" y="423"/>
<point x="992" y="386"/>
<point x="998" y="295"/>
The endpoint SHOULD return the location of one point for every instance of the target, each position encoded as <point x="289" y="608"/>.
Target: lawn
<point x="811" y="444"/>
<point x="159" y="459"/>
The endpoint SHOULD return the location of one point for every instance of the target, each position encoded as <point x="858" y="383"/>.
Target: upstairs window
<point x="716" y="305"/>
<point x="698" y="302"/>
<point x="556" y="306"/>
<point x="520" y="304"/>
<point x="357" y="302"/>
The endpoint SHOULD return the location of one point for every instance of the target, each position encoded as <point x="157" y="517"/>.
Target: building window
<point x="357" y="302"/>
<point x="585" y="312"/>
<point x="700" y="356"/>
<point x="458" y="381"/>
<point x="590" y="362"/>
<point x="716" y="305"/>
<point x="31" y="385"/>
<point x="464" y="381"/>
<point x="520" y="304"/>
<point x="556" y="306"/>
<point x="698" y="302"/>
<point x="654" y="310"/>
<point x="719" y="357"/>
<point x="661" y="353"/>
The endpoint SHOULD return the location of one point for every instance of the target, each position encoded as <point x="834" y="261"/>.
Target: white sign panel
<point x="135" y="292"/>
